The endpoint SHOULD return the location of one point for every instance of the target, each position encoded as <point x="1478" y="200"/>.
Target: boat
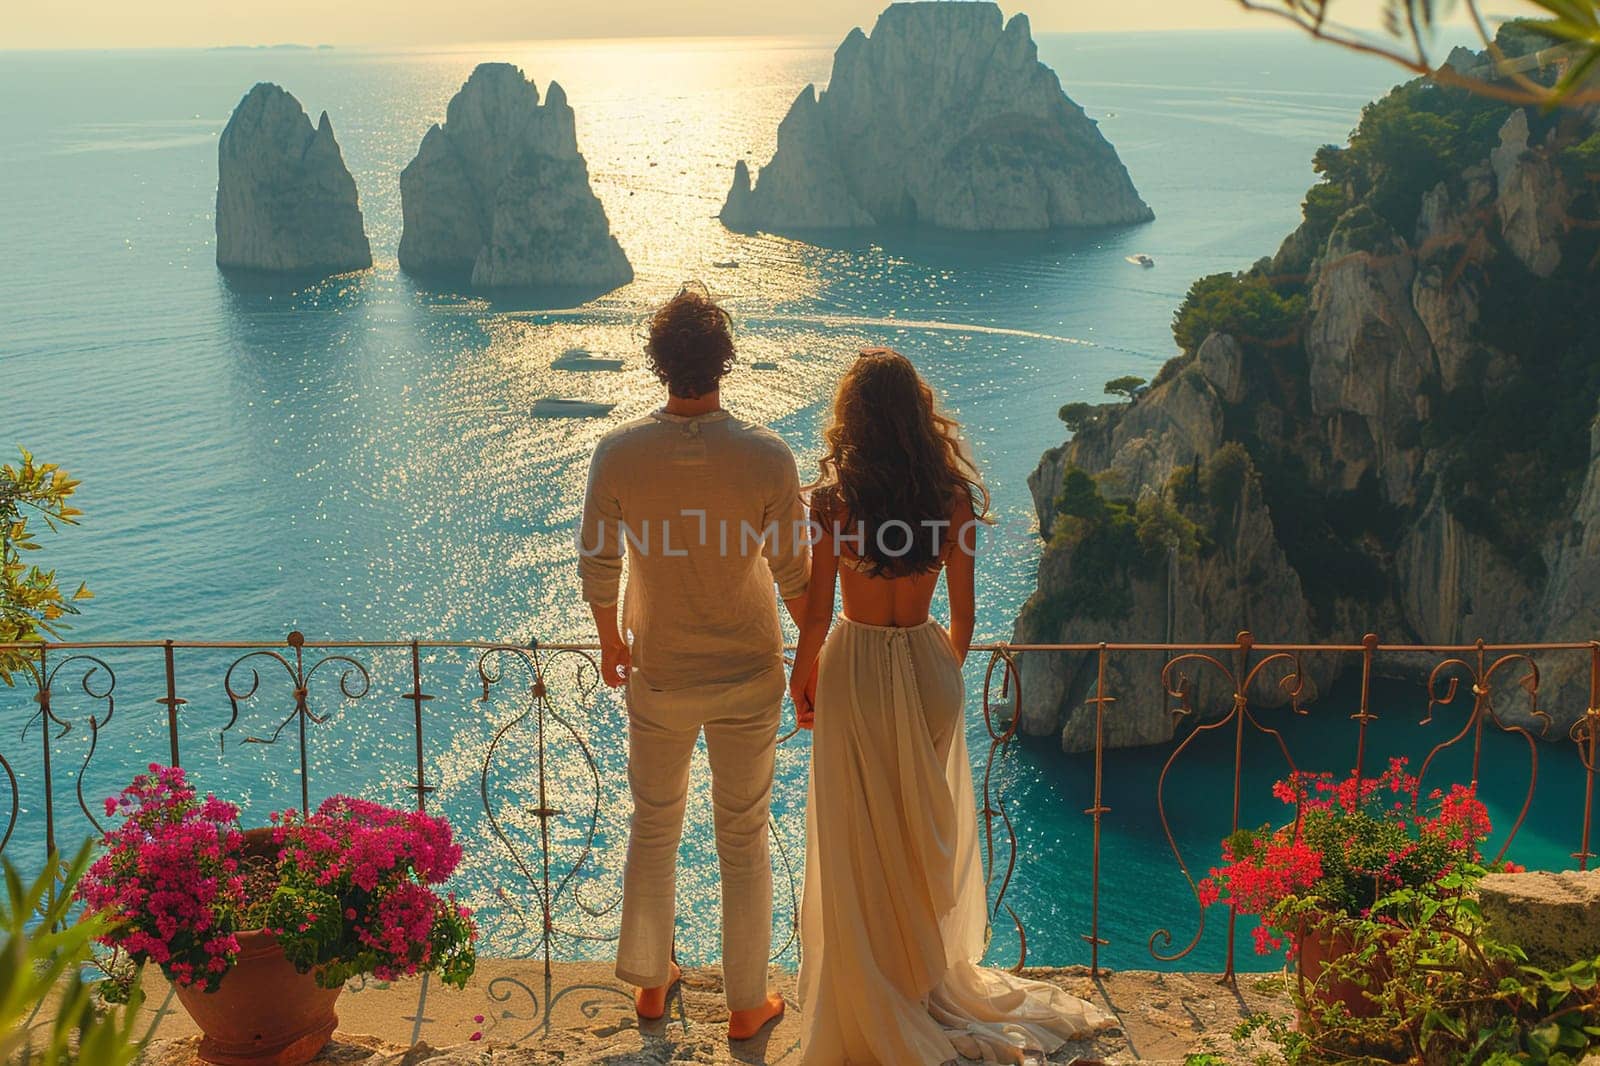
<point x="726" y="264"/>
<point x="562" y="407"/>
<point x="581" y="359"/>
<point x="1140" y="259"/>
<point x="764" y="365"/>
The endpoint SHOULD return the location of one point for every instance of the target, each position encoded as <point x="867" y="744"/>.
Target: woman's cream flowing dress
<point x="892" y="918"/>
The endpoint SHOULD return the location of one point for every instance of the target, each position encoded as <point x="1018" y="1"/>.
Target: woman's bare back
<point x="899" y="601"/>
<point x="885" y="601"/>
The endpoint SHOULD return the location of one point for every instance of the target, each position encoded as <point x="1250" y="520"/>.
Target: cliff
<point x="286" y="202"/>
<point x="943" y="117"/>
<point x="500" y="195"/>
<point x="1389" y="426"/>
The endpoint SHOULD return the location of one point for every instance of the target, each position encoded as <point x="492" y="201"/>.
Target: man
<point x="709" y="509"/>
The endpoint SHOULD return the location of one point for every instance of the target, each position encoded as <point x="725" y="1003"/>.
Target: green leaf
<point x="1438" y="1019"/>
<point x="1544" y="1039"/>
<point x="1577" y="12"/>
<point x="1562" y="30"/>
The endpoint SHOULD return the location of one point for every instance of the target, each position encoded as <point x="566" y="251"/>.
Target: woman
<point x="892" y="919"/>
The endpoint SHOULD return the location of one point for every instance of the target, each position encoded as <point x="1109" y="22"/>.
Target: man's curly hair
<point x="691" y="343"/>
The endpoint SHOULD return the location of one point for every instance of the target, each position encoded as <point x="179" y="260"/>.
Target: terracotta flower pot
<point x="264" y="1012"/>
<point x="1323" y="944"/>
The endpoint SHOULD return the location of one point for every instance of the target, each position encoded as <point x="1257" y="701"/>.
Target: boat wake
<point x="868" y="322"/>
<point x="824" y="321"/>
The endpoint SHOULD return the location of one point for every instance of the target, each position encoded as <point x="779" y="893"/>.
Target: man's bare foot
<point x="744" y="1024"/>
<point x="651" y="1003"/>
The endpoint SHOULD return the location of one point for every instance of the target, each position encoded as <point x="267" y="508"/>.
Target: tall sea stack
<point x="286" y="203"/>
<point x="500" y="195"/>
<point x="944" y="117"/>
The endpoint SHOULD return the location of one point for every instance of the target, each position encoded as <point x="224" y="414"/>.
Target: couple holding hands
<point x="709" y="510"/>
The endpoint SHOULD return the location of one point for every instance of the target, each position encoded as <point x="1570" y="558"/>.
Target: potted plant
<point x="1361" y="859"/>
<point x="258" y="930"/>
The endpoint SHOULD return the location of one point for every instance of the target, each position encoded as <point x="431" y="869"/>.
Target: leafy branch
<point x="32" y="604"/>
<point x="1572" y="27"/>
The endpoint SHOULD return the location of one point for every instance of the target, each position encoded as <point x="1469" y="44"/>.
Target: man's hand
<point x="805" y="699"/>
<point x="616" y="660"/>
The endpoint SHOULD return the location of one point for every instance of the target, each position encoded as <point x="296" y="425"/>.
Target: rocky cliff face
<point x="286" y="203"/>
<point x="1411" y="452"/>
<point x="943" y="117"/>
<point x="499" y="194"/>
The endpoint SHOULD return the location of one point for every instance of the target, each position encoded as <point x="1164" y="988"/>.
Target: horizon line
<point x="829" y="40"/>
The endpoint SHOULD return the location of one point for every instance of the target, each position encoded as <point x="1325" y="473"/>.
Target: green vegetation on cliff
<point x="1336" y="540"/>
<point x="1076" y="415"/>
<point x="1226" y="474"/>
<point x="1247" y="307"/>
<point x="1408" y="142"/>
<point x="1112" y="540"/>
<point x="1582" y="160"/>
<point x="1514" y="439"/>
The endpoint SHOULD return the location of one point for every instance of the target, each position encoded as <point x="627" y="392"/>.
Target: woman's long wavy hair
<point x="891" y="458"/>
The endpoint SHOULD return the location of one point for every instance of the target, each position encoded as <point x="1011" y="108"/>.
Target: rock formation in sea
<point x="944" y="117"/>
<point x="500" y="195"/>
<point x="286" y="203"/>
<point x="1387" y="427"/>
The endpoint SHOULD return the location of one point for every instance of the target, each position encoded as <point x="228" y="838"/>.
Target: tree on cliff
<point x="1568" y="39"/>
<point x="1245" y="306"/>
<point x="1076" y="415"/>
<point x="1130" y="386"/>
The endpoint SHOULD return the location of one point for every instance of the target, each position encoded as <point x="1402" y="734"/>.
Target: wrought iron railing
<point x="520" y="744"/>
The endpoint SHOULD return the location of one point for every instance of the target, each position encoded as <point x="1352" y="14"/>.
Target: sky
<point x="205" y="23"/>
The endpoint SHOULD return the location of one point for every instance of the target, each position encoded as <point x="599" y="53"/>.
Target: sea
<point x="358" y="459"/>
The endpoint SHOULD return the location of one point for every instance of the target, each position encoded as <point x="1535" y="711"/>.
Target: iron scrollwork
<point x="1482" y="672"/>
<point x="354" y="683"/>
<point x="1003" y="661"/>
<point x="98" y="682"/>
<point x="553" y="888"/>
<point x="1241" y="678"/>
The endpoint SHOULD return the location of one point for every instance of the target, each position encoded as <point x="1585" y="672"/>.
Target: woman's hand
<point x="814" y="625"/>
<point x="804" y="694"/>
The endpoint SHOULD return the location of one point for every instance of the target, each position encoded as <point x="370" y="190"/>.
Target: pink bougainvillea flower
<point x="354" y="871"/>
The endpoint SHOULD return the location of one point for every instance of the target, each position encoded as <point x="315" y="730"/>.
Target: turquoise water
<point x="354" y="459"/>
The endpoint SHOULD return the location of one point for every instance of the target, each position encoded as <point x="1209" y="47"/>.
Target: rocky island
<point x="944" y="117"/>
<point x="499" y="194"/>
<point x="286" y="203"/>
<point x="1388" y="426"/>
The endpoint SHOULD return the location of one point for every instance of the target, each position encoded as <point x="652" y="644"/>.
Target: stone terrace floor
<point x="1165" y="1016"/>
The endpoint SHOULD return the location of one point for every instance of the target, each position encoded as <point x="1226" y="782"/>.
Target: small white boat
<point x="1140" y="259"/>
<point x="582" y="359"/>
<point x="764" y="365"/>
<point x="561" y="407"/>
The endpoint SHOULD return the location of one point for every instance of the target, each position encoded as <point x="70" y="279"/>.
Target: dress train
<point x="893" y="912"/>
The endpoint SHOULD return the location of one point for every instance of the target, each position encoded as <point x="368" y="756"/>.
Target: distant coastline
<point x="286" y="47"/>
